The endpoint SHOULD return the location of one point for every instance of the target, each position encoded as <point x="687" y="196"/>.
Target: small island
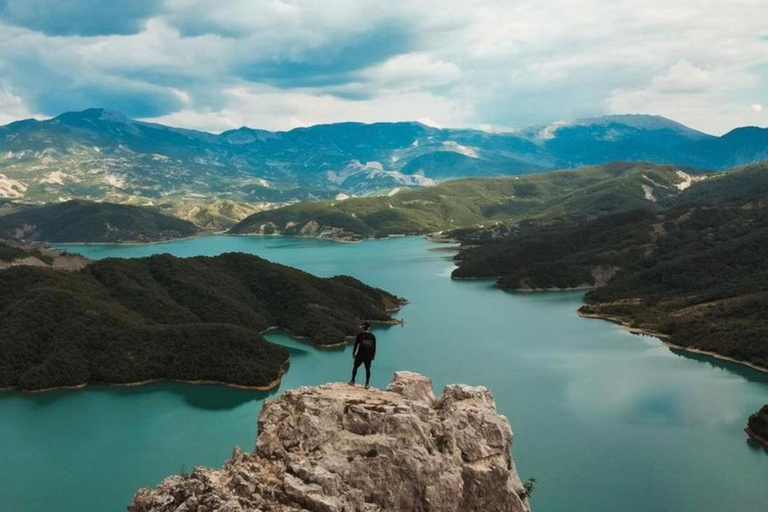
<point x="129" y="321"/>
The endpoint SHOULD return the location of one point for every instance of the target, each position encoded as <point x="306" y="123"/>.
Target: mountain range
<point x="104" y="155"/>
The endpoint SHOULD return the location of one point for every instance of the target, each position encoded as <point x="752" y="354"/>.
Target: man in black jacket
<point x="363" y="353"/>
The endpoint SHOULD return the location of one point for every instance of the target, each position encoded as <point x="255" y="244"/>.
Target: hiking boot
<point x="351" y="383"/>
<point x="367" y="386"/>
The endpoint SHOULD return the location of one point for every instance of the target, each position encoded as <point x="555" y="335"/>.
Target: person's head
<point x="366" y="326"/>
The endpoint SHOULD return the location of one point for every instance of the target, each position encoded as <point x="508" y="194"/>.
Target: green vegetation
<point x="528" y="487"/>
<point x="11" y="252"/>
<point x="694" y="271"/>
<point x="562" y="255"/>
<point x="213" y="215"/>
<point x="758" y="424"/>
<point x="90" y="222"/>
<point x="162" y="317"/>
<point x="705" y="283"/>
<point x="583" y="193"/>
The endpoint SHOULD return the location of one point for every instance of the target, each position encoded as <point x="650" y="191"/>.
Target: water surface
<point x="605" y="420"/>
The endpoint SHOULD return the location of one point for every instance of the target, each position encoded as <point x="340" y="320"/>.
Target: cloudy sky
<point x="494" y="64"/>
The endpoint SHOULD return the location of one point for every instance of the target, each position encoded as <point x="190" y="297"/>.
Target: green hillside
<point x="90" y="222"/>
<point x="162" y="317"/>
<point x="697" y="271"/>
<point x="581" y="193"/>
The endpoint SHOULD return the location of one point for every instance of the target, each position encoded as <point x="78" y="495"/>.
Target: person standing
<point x="363" y="353"/>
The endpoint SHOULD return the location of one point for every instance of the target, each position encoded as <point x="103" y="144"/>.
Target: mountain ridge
<point x="80" y="221"/>
<point x="101" y="154"/>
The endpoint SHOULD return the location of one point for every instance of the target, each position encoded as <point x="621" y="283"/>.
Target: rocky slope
<point x="13" y="254"/>
<point x="338" y="448"/>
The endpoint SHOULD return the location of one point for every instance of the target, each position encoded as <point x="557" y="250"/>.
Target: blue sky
<point x="491" y="64"/>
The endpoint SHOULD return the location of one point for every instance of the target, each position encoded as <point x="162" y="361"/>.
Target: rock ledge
<point x="337" y="448"/>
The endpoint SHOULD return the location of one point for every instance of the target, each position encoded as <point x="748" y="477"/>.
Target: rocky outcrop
<point x="337" y="448"/>
<point x="14" y="254"/>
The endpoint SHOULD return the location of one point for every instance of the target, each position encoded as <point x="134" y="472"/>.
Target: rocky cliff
<point x="337" y="448"/>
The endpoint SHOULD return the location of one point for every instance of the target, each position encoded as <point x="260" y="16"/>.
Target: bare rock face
<point x="338" y="448"/>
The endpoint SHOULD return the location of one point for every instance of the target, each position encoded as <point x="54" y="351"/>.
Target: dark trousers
<point x="367" y="362"/>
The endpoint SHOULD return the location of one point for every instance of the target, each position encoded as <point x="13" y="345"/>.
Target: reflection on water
<point x="604" y="420"/>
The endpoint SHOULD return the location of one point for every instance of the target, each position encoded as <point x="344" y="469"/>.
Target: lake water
<point x="605" y="420"/>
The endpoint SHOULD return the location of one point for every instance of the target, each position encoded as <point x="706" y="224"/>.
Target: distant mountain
<point x="583" y="193"/>
<point x="161" y="317"/>
<point x="90" y="222"/>
<point x="100" y="154"/>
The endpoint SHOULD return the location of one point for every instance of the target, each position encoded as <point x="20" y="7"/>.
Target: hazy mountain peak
<point x="102" y="115"/>
<point x="640" y="121"/>
<point x="634" y="121"/>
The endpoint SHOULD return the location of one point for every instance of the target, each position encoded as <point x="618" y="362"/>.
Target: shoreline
<point x="266" y="387"/>
<point x="664" y="339"/>
<point x="756" y="437"/>
<point x="312" y="237"/>
<point x="203" y="234"/>
<point x="131" y="243"/>
<point x="272" y="385"/>
<point x="537" y="290"/>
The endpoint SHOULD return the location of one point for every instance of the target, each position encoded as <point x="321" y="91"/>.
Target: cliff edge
<point x="337" y="448"/>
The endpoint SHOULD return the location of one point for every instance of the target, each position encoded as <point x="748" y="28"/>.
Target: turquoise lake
<point x="605" y="420"/>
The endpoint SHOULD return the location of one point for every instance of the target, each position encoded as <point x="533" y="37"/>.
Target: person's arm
<point x="357" y="345"/>
<point x="373" y="353"/>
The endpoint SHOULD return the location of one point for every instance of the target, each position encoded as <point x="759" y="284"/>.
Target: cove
<point x="605" y="420"/>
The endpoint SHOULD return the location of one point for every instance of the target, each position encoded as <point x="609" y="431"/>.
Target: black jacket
<point x="365" y="346"/>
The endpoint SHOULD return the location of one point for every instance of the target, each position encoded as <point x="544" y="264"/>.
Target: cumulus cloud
<point x="281" y="63"/>
<point x="267" y="106"/>
<point x="12" y="107"/>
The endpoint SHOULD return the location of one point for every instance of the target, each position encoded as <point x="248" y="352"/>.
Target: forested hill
<point x="697" y="272"/>
<point x="163" y="317"/>
<point x="581" y="193"/>
<point x="90" y="222"/>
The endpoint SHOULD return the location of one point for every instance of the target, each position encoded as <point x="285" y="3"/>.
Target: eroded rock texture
<point x="337" y="448"/>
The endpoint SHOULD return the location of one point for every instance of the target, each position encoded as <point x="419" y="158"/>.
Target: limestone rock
<point x="338" y="448"/>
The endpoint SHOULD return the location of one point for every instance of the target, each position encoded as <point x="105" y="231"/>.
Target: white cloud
<point x="757" y="107"/>
<point x="706" y="99"/>
<point x="483" y="63"/>
<point x="12" y="107"/>
<point x="275" y="109"/>
<point x="413" y="71"/>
